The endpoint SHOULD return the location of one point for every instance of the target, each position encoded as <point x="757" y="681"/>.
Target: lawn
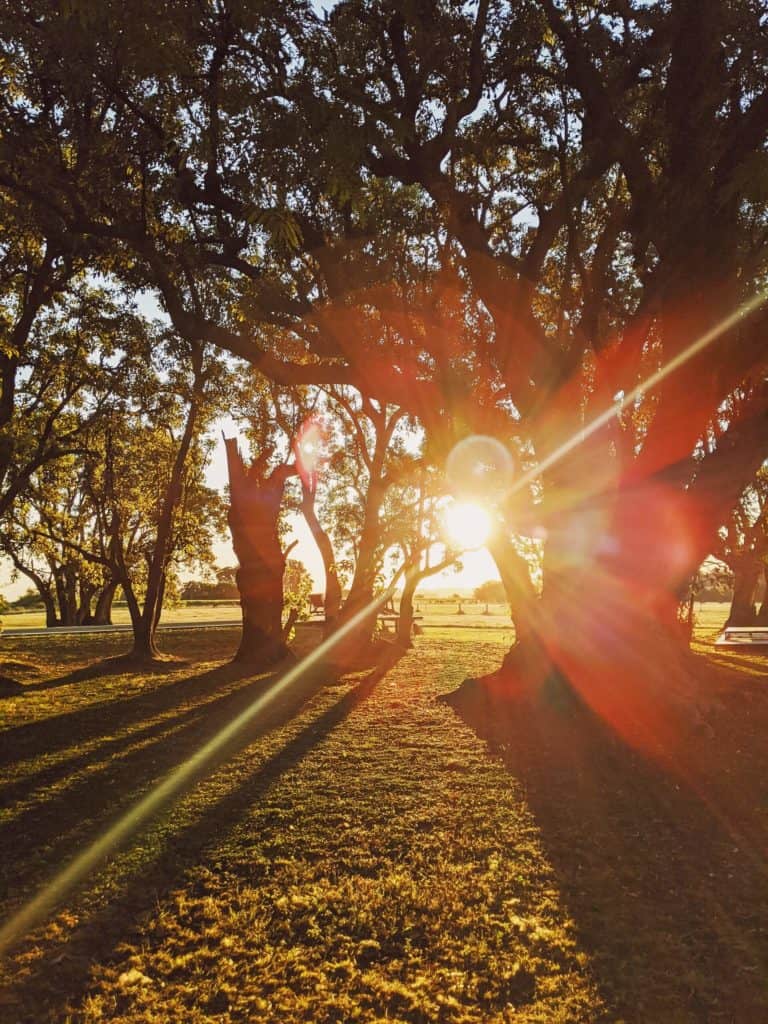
<point x="435" y="611"/>
<point x="364" y="853"/>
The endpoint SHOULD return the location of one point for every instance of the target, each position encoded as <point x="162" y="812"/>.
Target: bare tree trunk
<point x="255" y="500"/>
<point x="332" y="600"/>
<point x="102" y="615"/>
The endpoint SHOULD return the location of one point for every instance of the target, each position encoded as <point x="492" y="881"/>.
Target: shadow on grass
<point x="663" y="871"/>
<point x="88" y="787"/>
<point x="119" y="664"/>
<point x="60" y="976"/>
<point x="107" y="717"/>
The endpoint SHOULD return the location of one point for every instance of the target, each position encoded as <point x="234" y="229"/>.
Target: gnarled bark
<point x="254" y="512"/>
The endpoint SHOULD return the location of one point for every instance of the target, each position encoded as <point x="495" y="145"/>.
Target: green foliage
<point x="491" y="592"/>
<point x="297" y="586"/>
<point x="223" y="587"/>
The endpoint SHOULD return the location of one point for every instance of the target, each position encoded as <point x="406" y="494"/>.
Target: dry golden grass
<point x="365" y="856"/>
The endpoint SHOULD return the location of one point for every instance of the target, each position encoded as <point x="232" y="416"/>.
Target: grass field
<point x="435" y="612"/>
<point x="439" y="609"/>
<point x="365" y="854"/>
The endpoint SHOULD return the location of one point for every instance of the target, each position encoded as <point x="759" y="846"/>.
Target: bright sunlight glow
<point x="467" y="524"/>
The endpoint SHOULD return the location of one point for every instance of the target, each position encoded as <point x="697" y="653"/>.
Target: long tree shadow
<point x="114" y="773"/>
<point x="105" y="667"/>
<point x="48" y="777"/>
<point x="60" y="977"/>
<point x="109" y="716"/>
<point x="664" y="874"/>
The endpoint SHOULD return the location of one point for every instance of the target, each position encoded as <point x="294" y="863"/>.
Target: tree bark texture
<point x="255" y="499"/>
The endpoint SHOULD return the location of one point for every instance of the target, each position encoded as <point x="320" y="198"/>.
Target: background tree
<point x="140" y="484"/>
<point x="416" y="511"/>
<point x="743" y="548"/>
<point x="223" y="586"/>
<point x="42" y="537"/>
<point x="490" y="592"/>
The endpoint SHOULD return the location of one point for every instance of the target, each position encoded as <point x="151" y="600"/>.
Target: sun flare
<point x="467" y="524"/>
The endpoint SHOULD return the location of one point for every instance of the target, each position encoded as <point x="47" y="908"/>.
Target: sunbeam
<point x="650" y="382"/>
<point x="35" y="910"/>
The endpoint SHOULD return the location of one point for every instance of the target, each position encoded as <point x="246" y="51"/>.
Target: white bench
<point x="743" y="636"/>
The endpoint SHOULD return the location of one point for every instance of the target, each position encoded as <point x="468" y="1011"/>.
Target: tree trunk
<point x="66" y="614"/>
<point x="102" y="615"/>
<point x="363" y="585"/>
<point x="158" y="562"/>
<point x="405" y="620"/>
<point x="51" y="618"/>
<point x="516" y="578"/>
<point x="762" y="615"/>
<point x="332" y="599"/>
<point x="159" y="602"/>
<point x="746" y="577"/>
<point x="254" y="512"/>
<point x="144" y="630"/>
<point x="144" y="647"/>
<point x="87" y="590"/>
<point x="604" y="634"/>
<point x="364" y="580"/>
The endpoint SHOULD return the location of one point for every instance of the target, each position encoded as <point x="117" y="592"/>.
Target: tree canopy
<point x="543" y="222"/>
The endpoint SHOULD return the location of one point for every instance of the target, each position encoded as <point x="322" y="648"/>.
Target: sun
<point x="467" y="524"/>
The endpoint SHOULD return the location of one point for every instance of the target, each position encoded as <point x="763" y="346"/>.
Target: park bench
<point x="742" y="636"/>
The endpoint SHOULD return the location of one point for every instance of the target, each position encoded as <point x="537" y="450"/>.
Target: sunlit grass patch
<point x="366" y="859"/>
<point x="348" y="865"/>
